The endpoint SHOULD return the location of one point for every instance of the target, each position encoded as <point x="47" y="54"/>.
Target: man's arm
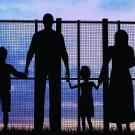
<point x="30" y="54"/>
<point x="65" y="57"/>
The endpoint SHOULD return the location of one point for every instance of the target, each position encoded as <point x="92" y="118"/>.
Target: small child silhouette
<point x="5" y="84"/>
<point x="86" y="99"/>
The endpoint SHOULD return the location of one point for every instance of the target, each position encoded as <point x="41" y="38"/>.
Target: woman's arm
<point x="104" y="66"/>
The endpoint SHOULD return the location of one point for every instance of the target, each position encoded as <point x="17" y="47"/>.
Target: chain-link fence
<point x="84" y="44"/>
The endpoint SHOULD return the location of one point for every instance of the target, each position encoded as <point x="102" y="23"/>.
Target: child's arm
<point x="72" y="87"/>
<point x="94" y="85"/>
<point x="16" y="73"/>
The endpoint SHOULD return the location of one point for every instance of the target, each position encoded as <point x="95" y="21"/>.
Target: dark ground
<point x="14" y="131"/>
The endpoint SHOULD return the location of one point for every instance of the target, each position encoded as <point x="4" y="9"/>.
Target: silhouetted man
<point x="48" y="47"/>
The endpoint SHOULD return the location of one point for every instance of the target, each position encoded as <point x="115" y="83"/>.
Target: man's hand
<point x="99" y="81"/>
<point x="67" y="75"/>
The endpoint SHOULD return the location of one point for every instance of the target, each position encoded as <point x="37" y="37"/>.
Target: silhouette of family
<point x="48" y="47"/>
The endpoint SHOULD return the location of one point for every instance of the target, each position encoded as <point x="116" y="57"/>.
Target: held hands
<point x="26" y="72"/>
<point x="67" y="75"/>
<point x="68" y="78"/>
<point x="99" y="82"/>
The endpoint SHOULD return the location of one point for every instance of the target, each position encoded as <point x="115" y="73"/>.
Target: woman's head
<point x="121" y="38"/>
<point x="85" y="73"/>
<point x="3" y="54"/>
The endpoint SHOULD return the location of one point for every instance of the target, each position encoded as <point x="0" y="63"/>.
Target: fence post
<point x="105" y="79"/>
<point x="36" y="26"/>
<point x="78" y="61"/>
<point x="58" y="25"/>
<point x="58" y="119"/>
<point x="35" y="104"/>
<point x="118" y="25"/>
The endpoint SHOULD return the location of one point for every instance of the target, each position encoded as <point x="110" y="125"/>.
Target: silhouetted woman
<point x="86" y="99"/>
<point x="119" y="96"/>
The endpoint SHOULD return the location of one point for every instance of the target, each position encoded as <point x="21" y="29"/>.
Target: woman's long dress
<point x="120" y="102"/>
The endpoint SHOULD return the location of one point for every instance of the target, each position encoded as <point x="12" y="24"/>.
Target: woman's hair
<point x="85" y="72"/>
<point x="121" y="38"/>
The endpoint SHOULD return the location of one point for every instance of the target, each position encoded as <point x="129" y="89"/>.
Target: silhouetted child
<point x="5" y="84"/>
<point x="86" y="99"/>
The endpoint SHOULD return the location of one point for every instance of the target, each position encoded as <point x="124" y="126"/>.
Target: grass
<point x="23" y="131"/>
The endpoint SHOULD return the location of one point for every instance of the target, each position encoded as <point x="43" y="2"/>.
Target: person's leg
<point x="106" y="126"/>
<point x="128" y="126"/>
<point x="119" y="126"/>
<point x="55" y="102"/>
<point x="83" y="123"/>
<point x="40" y="83"/>
<point x="5" y="119"/>
<point x="89" y="123"/>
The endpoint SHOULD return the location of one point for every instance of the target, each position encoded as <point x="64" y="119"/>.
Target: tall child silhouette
<point x="5" y="84"/>
<point x="86" y="99"/>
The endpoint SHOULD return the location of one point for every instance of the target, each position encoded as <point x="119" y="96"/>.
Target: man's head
<point x="48" y="20"/>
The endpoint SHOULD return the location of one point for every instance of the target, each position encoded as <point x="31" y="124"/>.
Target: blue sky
<point x="68" y="9"/>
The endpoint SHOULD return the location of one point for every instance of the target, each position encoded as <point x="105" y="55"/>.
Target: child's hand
<point x="98" y="86"/>
<point x="69" y="84"/>
<point x="67" y="79"/>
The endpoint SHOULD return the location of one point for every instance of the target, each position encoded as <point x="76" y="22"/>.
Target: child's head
<point x="85" y="73"/>
<point x="3" y="54"/>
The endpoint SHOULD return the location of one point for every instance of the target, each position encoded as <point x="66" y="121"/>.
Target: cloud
<point x="117" y="5"/>
<point x="66" y="9"/>
<point x="69" y="9"/>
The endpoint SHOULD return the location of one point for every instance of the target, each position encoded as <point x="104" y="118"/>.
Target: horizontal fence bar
<point x="61" y="79"/>
<point x="70" y="21"/>
<point x="47" y="78"/>
<point x="18" y="21"/>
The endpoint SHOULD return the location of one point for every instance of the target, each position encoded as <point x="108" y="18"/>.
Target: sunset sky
<point x="68" y="9"/>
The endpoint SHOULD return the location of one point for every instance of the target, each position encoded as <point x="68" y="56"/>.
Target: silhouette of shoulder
<point x="42" y="32"/>
<point x="50" y="38"/>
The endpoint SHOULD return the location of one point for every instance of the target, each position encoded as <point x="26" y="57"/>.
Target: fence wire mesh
<point x="16" y="37"/>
